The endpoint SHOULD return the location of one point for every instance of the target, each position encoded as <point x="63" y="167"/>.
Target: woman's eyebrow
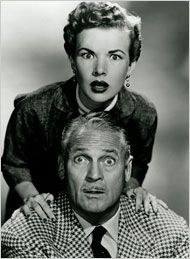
<point x="110" y="51"/>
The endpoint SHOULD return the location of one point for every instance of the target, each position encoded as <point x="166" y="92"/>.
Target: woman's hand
<point x="142" y="196"/>
<point x="40" y="204"/>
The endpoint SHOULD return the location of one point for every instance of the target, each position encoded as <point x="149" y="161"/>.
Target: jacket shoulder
<point x="21" y="231"/>
<point x="145" y="109"/>
<point x="167" y="230"/>
<point x="46" y="92"/>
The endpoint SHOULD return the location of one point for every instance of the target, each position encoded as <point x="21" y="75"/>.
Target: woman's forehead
<point x="107" y="38"/>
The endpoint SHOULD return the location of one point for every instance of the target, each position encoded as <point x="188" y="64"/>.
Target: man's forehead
<point x="104" y="140"/>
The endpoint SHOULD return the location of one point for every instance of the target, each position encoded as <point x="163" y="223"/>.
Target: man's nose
<point x="100" y="67"/>
<point x="94" y="172"/>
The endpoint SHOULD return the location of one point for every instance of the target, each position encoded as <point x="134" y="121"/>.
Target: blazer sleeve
<point x="10" y="252"/>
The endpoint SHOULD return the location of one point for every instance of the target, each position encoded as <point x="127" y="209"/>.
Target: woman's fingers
<point x="162" y="203"/>
<point x="45" y="209"/>
<point x="144" y="197"/>
<point x="146" y="201"/>
<point x="26" y="210"/>
<point x="15" y="213"/>
<point x="39" y="203"/>
<point x="154" y="203"/>
<point x="139" y="197"/>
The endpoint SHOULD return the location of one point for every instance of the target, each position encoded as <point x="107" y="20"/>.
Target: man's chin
<point x="94" y="208"/>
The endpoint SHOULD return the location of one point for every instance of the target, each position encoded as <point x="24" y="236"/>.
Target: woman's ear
<point x="128" y="168"/>
<point x="131" y="68"/>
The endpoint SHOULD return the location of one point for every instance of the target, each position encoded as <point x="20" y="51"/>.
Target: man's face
<point x="96" y="172"/>
<point x="101" y="62"/>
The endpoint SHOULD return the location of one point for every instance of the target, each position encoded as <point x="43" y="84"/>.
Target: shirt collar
<point x="111" y="225"/>
<point x="125" y="103"/>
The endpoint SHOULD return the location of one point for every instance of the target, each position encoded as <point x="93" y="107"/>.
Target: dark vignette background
<point x="33" y="55"/>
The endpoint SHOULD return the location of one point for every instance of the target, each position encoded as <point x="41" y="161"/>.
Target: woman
<point x="103" y="43"/>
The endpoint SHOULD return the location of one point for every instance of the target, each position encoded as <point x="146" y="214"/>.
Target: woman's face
<point x="101" y="63"/>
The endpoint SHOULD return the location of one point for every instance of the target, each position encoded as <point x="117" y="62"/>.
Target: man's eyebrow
<point x="117" y="50"/>
<point x="78" y="149"/>
<point x="111" y="151"/>
<point x="89" y="50"/>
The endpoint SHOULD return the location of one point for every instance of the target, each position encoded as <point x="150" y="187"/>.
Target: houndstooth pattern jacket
<point x="141" y="236"/>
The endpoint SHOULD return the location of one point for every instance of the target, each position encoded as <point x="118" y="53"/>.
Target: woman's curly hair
<point x="104" y="15"/>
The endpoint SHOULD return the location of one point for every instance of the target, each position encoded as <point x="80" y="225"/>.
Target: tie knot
<point x="98" y="233"/>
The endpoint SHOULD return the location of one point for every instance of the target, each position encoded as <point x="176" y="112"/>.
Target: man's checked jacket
<point x="140" y="236"/>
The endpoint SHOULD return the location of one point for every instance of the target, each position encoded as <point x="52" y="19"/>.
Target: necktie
<point x="98" y="250"/>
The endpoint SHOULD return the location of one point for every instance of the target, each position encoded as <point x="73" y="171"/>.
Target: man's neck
<point x="98" y="218"/>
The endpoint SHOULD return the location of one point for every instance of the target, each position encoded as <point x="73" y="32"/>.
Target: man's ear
<point x="131" y="68"/>
<point x="128" y="168"/>
<point x="61" y="167"/>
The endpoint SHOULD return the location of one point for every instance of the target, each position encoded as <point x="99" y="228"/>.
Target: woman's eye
<point x="79" y="159"/>
<point x="115" y="57"/>
<point x="87" y="55"/>
<point x="109" y="161"/>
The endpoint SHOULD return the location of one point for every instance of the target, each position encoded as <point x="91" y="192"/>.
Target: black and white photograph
<point x="94" y="129"/>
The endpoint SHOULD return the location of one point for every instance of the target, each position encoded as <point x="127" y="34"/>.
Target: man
<point x="93" y="218"/>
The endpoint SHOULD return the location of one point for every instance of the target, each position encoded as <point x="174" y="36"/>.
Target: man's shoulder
<point x="165" y="224"/>
<point x="34" y="227"/>
<point x="26" y="229"/>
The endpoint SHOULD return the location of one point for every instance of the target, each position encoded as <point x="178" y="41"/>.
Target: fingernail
<point x="48" y="202"/>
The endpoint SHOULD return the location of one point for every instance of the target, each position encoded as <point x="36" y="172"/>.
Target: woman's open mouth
<point x="99" y="86"/>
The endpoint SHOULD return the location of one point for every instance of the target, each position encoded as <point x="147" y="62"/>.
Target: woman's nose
<point x="94" y="172"/>
<point x="100" y="67"/>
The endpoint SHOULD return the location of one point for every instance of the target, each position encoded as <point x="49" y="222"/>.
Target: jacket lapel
<point x="70" y="238"/>
<point x="133" y="240"/>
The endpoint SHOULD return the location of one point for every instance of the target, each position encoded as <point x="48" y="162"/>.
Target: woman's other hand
<point x="142" y="196"/>
<point x="39" y="203"/>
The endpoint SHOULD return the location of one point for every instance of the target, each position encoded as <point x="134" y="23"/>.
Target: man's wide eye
<point x="79" y="159"/>
<point x="109" y="161"/>
<point x="87" y="55"/>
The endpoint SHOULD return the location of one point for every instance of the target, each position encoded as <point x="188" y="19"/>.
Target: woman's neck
<point x="92" y="105"/>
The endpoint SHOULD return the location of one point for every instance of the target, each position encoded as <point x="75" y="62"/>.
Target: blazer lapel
<point x="70" y="238"/>
<point x="133" y="241"/>
<point x="78" y="245"/>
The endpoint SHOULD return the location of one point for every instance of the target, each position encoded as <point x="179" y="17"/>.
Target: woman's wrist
<point x="26" y="189"/>
<point x="132" y="183"/>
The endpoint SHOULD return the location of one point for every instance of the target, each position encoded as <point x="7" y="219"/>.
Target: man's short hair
<point x="102" y="15"/>
<point x="100" y="121"/>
